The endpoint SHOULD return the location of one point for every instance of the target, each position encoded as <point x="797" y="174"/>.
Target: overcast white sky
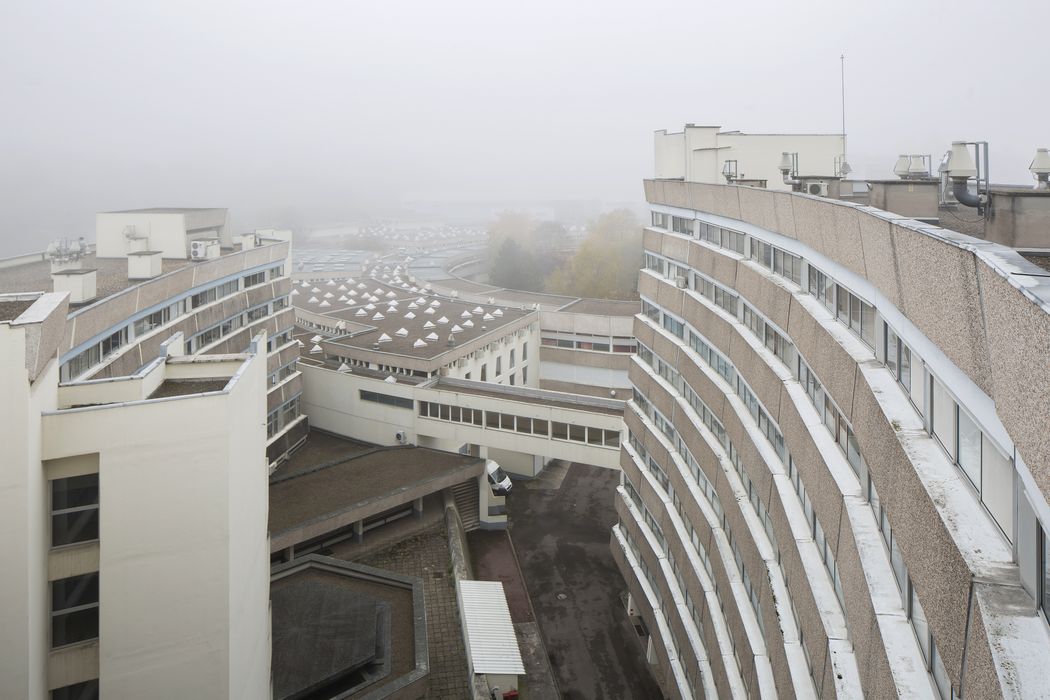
<point x="333" y="108"/>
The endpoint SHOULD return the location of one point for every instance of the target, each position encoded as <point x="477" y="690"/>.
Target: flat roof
<point x="10" y="310"/>
<point x="305" y="495"/>
<point x="345" y="630"/>
<point x="603" y="307"/>
<point x="364" y="330"/>
<point x="544" y="397"/>
<point x="187" y="387"/>
<point x="165" y="210"/>
<point x="112" y="275"/>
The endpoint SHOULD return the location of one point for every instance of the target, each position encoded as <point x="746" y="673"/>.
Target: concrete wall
<point x="184" y="554"/>
<point x="168" y="232"/>
<point x="332" y="403"/>
<point x="993" y="297"/>
<point x="699" y="152"/>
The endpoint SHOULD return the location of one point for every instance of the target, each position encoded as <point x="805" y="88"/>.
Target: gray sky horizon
<point x="325" y="111"/>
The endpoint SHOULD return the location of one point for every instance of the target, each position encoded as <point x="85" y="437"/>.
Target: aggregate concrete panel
<point x="710" y="394"/>
<point x="860" y="614"/>
<point x="821" y="487"/>
<point x="666" y="349"/>
<point x="669" y="297"/>
<point x="844" y="238"/>
<point x="643" y="332"/>
<point x="758" y="374"/>
<point x="880" y="260"/>
<point x="649" y="188"/>
<point x="751" y="461"/>
<point x="981" y="679"/>
<point x="716" y="329"/>
<point x="702" y="197"/>
<point x="675" y="194"/>
<point x="812" y="221"/>
<point x="651" y="239"/>
<point x="945" y="306"/>
<point x="674" y="247"/>
<point x="726" y="201"/>
<point x="648" y="286"/>
<point x="832" y="363"/>
<point x="784" y="209"/>
<point x="879" y="443"/>
<point x="757" y="207"/>
<point x="662" y="399"/>
<point x="1018" y="331"/>
<point x="765" y="294"/>
<point x="936" y="567"/>
<point x="814" y="635"/>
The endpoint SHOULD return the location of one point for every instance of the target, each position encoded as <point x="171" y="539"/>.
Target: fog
<point x="303" y="113"/>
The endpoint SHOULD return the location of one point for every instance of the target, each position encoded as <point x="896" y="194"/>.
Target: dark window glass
<point x="74" y="492"/>
<point x="577" y="433"/>
<point x="539" y="426"/>
<point x="74" y="609"/>
<point x="559" y="431"/>
<point x="88" y="690"/>
<point x="491" y="419"/>
<point x="73" y="527"/>
<point x="524" y="424"/>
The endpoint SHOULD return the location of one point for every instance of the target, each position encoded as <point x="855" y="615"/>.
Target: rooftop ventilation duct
<point x="917" y="167"/>
<point x="1040" y="168"/>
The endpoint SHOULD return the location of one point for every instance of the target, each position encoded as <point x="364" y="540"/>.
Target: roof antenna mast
<point x="843" y="168"/>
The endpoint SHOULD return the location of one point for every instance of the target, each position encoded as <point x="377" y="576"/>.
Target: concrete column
<point x="289" y="552"/>
<point x="359" y="531"/>
<point x="417" y="507"/>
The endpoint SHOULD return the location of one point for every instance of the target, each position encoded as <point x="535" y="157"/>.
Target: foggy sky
<point x="321" y="110"/>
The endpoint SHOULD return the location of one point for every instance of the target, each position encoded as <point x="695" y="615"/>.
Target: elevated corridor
<point x="553" y="424"/>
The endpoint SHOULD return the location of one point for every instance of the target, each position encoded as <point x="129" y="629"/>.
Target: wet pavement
<point x="561" y="532"/>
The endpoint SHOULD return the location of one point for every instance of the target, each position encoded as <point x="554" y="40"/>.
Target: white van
<point x="501" y="483"/>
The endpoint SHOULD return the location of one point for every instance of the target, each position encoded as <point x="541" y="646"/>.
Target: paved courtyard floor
<point x="561" y="528"/>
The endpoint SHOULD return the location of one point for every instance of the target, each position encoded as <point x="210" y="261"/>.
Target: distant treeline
<point x="530" y="255"/>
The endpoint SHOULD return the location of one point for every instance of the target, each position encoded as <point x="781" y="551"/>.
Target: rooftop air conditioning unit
<point x="198" y="250"/>
<point x="817" y="187"/>
<point x="680" y="282"/>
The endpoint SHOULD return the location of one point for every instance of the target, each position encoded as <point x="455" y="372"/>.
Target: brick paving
<point x="427" y="556"/>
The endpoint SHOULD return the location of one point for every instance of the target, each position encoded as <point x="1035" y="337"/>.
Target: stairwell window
<point x="74" y="610"/>
<point x="74" y="510"/>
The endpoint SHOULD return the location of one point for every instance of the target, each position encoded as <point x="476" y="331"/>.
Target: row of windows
<point x="672" y="376"/>
<point x="723" y="237"/>
<point x="227" y="326"/>
<point x="855" y="313"/>
<point x="74" y="610"/>
<point x="963" y="433"/>
<point x="665" y="426"/>
<point x="599" y="344"/>
<point x="777" y="260"/>
<point x="385" y="399"/>
<point x="769" y="336"/>
<point x="556" y="430"/>
<point x="283" y="372"/>
<point x="105" y="348"/>
<point x="842" y="432"/>
<point x="641" y="562"/>
<point x="775" y="438"/>
<point x="282" y="416"/>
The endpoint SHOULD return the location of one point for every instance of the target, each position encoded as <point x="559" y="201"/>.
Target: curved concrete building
<point x="837" y="462"/>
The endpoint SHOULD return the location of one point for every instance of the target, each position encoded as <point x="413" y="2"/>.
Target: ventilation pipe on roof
<point x="960" y="168"/>
<point x="1040" y="168"/>
<point x="789" y="169"/>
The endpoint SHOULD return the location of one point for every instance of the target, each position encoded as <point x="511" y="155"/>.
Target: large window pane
<point x="74" y="609"/>
<point x="75" y="526"/>
<point x="1046" y="574"/>
<point x="997" y="486"/>
<point x="943" y="407"/>
<point x="970" y="448"/>
<point x="74" y="492"/>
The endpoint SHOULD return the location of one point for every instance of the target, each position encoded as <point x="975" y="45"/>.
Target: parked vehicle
<point x="500" y="482"/>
